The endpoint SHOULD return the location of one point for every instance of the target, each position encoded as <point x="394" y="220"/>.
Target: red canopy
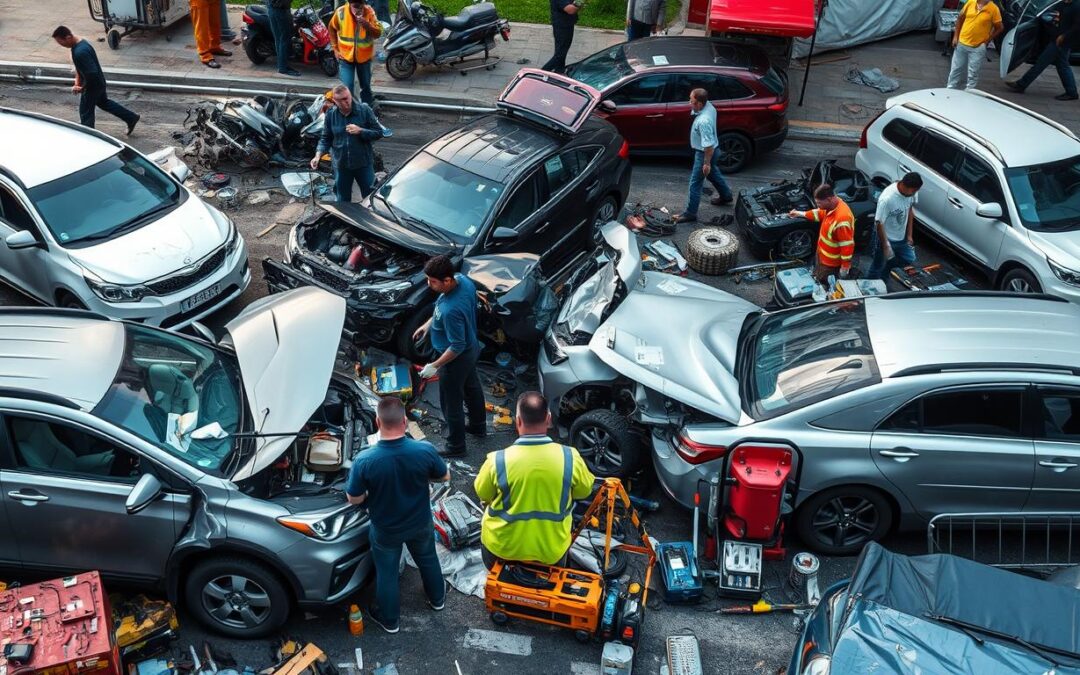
<point x="786" y="18"/>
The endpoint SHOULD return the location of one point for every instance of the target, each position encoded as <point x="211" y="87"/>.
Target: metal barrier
<point x="1039" y="541"/>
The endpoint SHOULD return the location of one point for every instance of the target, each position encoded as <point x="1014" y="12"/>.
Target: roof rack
<point x="968" y="294"/>
<point x="40" y="396"/>
<point x="956" y="127"/>
<point x="984" y="365"/>
<point x="1031" y="113"/>
<point x="64" y="123"/>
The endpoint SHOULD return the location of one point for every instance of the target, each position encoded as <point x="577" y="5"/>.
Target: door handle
<point x="593" y="185"/>
<point x="543" y="227"/>
<point x="649" y="117"/>
<point x="899" y="454"/>
<point x="956" y="202"/>
<point x="903" y="168"/>
<point x="23" y="497"/>
<point x="1058" y="464"/>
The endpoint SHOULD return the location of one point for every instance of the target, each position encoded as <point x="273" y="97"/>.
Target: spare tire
<point x="712" y="250"/>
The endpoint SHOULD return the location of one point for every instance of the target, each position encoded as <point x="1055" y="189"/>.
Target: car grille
<point x="192" y="275"/>
<point x="325" y="276"/>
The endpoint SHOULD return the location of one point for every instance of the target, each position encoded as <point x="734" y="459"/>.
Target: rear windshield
<point x="773" y="81"/>
<point x="549" y="100"/>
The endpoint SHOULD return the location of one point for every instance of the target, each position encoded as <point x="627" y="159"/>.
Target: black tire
<point x="606" y="211"/>
<point x="583" y="636"/>
<point x="841" y="520"/>
<point x="212" y="586"/>
<point x="1019" y="280"/>
<point x="499" y="618"/>
<point x="329" y="64"/>
<point x="617" y="563"/>
<point x="712" y="250"/>
<point x="735" y="150"/>
<point x="795" y="245"/>
<point x="401" y="65"/>
<point x="69" y="301"/>
<point x="256" y="52"/>
<point x="113" y="38"/>
<point x="416" y="352"/>
<point x="608" y="445"/>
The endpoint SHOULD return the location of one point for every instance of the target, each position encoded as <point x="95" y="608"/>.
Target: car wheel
<point x="712" y="250"/>
<point x="1019" y="280"/>
<point x="735" y="152"/>
<point x="607" y="211"/>
<point x="414" y="350"/>
<point x="795" y="245"/>
<point x="841" y="520"/>
<point x="401" y="65"/>
<point x="69" y="301"/>
<point x="237" y="597"/>
<point x="607" y="444"/>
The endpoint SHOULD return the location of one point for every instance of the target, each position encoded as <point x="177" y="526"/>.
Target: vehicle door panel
<point x="679" y="117"/>
<point x="975" y="184"/>
<point x="9" y="554"/>
<point x="27" y="268"/>
<point x="1057" y="452"/>
<point x="1022" y="41"/>
<point x="958" y="451"/>
<point x="935" y="158"/>
<point x="641" y="114"/>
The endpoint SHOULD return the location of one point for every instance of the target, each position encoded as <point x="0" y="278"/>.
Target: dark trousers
<point x="94" y="96"/>
<point x="564" y="37"/>
<point x="459" y="388"/>
<point x="386" y="554"/>
<point x="638" y="30"/>
<point x="1059" y="56"/>
<point x="344" y="178"/>
<point x="282" y="28"/>
<point x="382" y="11"/>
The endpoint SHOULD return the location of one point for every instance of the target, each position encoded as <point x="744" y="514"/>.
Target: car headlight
<point x="115" y="292"/>
<point x="1067" y="275"/>
<point x="233" y="242"/>
<point x="819" y="665"/>
<point x="324" y="526"/>
<point x="553" y="348"/>
<point x="292" y="245"/>
<point x="383" y="294"/>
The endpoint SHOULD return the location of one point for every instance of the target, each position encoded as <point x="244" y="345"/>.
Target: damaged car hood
<point x="363" y="218"/>
<point x="286" y="345"/>
<point x="680" y="338"/>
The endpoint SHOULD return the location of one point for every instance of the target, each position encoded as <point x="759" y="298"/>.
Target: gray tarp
<point x="847" y="23"/>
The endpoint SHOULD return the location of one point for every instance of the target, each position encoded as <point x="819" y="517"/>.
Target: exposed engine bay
<point x="359" y="254"/>
<point x="771" y="203"/>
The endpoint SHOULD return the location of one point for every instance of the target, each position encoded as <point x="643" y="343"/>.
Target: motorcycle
<point x="259" y="131"/>
<point x="415" y="38"/>
<point x="310" y="40"/>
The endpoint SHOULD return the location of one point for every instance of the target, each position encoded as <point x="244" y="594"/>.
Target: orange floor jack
<point x="578" y="600"/>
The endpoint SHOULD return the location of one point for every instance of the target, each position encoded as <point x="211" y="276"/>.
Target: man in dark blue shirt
<point x="453" y="336"/>
<point x="564" y="14"/>
<point x="348" y="130"/>
<point x="90" y="81"/>
<point x="1057" y="52"/>
<point x="391" y="480"/>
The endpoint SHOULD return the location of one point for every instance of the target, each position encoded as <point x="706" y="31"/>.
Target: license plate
<point x="200" y="297"/>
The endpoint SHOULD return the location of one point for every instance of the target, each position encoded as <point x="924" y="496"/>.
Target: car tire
<point x="736" y="152"/>
<point x="795" y="245"/>
<point x="1019" y="280"/>
<point x="69" y="301"/>
<point x="256" y="51"/>
<point x="415" y="352"/>
<point x="212" y="585"/>
<point x="606" y="211"/>
<point x="607" y="434"/>
<point x="712" y="250"/>
<point x="400" y="65"/>
<point x="841" y="520"/>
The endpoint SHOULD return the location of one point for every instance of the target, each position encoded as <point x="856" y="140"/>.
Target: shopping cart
<point x="123" y="17"/>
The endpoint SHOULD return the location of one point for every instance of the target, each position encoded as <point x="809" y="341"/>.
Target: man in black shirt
<point x="1057" y="52"/>
<point x="90" y="81"/>
<point x="564" y="14"/>
<point x="348" y="130"/>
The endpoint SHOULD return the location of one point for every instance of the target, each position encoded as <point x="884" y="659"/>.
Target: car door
<point x="641" y="110"/>
<point x="66" y="486"/>
<point x="1057" y="451"/>
<point x="27" y="268"/>
<point x="1021" y="42"/>
<point x="9" y="553"/>
<point x="975" y="184"/>
<point x="935" y="158"/>
<point x="678" y="117"/>
<point x="958" y="450"/>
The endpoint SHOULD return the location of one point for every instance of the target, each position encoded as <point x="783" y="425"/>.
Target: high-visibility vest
<point x="355" y="44"/>
<point x="836" y="237"/>
<point x="530" y="489"/>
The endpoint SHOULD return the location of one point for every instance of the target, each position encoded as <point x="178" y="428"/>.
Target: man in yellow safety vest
<point x="353" y="31"/>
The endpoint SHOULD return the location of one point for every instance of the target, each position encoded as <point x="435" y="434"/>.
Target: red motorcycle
<point x="310" y="40"/>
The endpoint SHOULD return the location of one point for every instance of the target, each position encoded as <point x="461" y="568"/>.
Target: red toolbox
<point x="58" y="627"/>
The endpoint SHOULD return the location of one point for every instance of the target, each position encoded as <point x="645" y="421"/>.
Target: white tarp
<point x="847" y="23"/>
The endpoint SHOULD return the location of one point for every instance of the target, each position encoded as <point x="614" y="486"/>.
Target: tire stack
<point x="712" y="250"/>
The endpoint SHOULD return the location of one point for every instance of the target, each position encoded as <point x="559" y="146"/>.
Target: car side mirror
<point x="143" y="494"/>
<point x="200" y="330"/>
<point x="180" y="172"/>
<point x="608" y="107"/>
<point x="21" y="239"/>
<point x="504" y="235"/>
<point x="989" y="210"/>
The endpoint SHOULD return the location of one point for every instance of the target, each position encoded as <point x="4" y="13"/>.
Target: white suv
<point x="89" y="222"/>
<point x="1001" y="184"/>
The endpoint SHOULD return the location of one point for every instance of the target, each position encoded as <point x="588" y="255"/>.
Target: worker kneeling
<point x="529" y="489"/>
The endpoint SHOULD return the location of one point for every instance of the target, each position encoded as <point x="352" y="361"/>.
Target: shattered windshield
<point x="601" y="70"/>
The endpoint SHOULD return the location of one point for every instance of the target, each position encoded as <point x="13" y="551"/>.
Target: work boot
<point x="450" y="452"/>
<point x="132" y="123"/>
<point x="720" y="201"/>
<point x="479" y="432"/>
<point x="1014" y="86"/>
<point x="221" y="52"/>
<point x="1066" y="97"/>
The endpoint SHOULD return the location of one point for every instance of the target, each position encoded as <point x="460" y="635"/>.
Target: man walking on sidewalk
<point x="90" y="81"/>
<point x="206" y="20"/>
<point x="644" y="17"/>
<point x="891" y="240"/>
<point x="977" y="25"/>
<point x="391" y="480"/>
<point x="281" y="26"/>
<point x="349" y="127"/>
<point x="353" y="31"/>
<point x="564" y="14"/>
<point x="706" y="157"/>
<point x="1057" y="52"/>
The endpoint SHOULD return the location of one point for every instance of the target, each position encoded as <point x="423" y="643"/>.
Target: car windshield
<point x="442" y="195"/>
<point x="601" y="70"/>
<point x="105" y="199"/>
<point x="1047" y="195"/>
<point x="167" y="387"/>
<point x="802" y="357"/>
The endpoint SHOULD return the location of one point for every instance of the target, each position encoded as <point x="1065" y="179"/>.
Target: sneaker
<point x="448" y="452"/>
<point x="439" y="607"/>
<point x="717" y="201"/>
<point x="684" y="218"/>
<point x="1066" y="97"/>
<point x="211" y="64"/>
<point x="1014" y="86"/>
<point x="132" y="123"/>
<point x="290" y="72"/>
<point x="370" y="614"/>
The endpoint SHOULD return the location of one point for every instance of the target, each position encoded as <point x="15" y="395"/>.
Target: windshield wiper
<point x="432" y="230"/>
<point x="969" y="629"/>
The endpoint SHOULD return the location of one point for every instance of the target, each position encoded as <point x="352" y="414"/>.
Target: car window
<point x="580" y="159"/>
<point x="1047" y="195"/>
<point x="1060" y="416"/>
<point x="939" y="154"/>
<point x="904" y="419"/>
<point x="521" y="204"/>
<point x="968" y="412"/>
<point x="773" y="81"/>
<point x="900" y="133"/>
<point x="54" y="448"/>
<point x="13" y="213"/>
<point x="976" y="178"/>
<point x="687" y="82"/>
<point x="561" y="170"/>
<point x="644" y="90"/>
<point x="734" y="88"/>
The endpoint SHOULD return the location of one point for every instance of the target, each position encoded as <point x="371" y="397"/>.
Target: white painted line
<point x="502" y="643"/>
<point x="582" y="668"/>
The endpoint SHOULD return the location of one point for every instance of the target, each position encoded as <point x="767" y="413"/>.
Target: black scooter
<point x="310" y="39"/>
<point x="415" y="38"/>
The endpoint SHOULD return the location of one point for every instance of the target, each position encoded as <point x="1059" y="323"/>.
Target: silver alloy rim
<point x="236" y="601"/>
<point x="1020" y="285"/>
<point x="596" y="443"/>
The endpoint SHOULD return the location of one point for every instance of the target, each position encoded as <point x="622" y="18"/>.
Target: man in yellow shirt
<point x="978" y="24"/>
<point x="530" y="489"/>
<point x="353" y="31"/>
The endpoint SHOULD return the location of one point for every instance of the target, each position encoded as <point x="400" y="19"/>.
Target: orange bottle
<point x="356" y="620"/>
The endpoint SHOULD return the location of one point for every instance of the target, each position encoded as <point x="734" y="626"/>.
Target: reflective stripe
<point x="826" y="254"/>
<point x="565" y="505"/>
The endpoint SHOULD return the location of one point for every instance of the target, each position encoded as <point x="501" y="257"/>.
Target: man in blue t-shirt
<point x="391" y="480"/>
<point x="453" y="336"/>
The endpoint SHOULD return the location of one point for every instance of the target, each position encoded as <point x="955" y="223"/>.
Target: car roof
<point x="495" y="147"/>
<point x="917" y="332"/>
<point x="38" y="148"/>
<point x="68" y="354"/>
<point x="1016" y="135"/>
<point x="662" y="52"/>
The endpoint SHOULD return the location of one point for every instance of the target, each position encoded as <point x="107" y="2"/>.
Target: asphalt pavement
<point x="462" y="637"/>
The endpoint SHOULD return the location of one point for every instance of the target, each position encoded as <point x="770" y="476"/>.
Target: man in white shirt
<point x="891" y="241"/>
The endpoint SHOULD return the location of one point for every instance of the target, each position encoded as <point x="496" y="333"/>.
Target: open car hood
<point x="286" y="345"/>
<point x="556" y="101"/>
<point x="366" y="220"/>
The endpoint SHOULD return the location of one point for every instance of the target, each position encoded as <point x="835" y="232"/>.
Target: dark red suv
<point x="650" y="81"/>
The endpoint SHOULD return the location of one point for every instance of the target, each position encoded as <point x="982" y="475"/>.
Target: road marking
<point x="502" y="643"/>
<point x="582" y="668"/>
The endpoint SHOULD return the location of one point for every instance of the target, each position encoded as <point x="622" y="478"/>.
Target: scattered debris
<point x="216" y="181"/>
<point x="260" y="197"/>
<point x="872" y="77"/>
<point x="711" y="250"/>
<point x="664" y="256"/>
<point x="168" y="162"/>
<point x="266" y="230"/>
<point x="228" y="197"/>
<point x="300" y="184"/>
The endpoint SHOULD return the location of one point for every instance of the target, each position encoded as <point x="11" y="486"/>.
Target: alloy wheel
<point x="733" y="153"/>
<point x="1019" y="285"/>
<point x="596" y="444"/>
<point x="845" y="521"/>
<point x="796" y="245"/>
<point x="236" y="601"/>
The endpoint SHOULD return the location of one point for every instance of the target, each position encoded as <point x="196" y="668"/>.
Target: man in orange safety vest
<point x="836" y="236"/>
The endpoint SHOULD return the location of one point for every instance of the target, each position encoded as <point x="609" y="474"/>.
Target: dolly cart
<point x="133" y="15"/>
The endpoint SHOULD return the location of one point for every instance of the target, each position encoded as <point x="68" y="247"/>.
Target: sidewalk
<point x="833" y="109"/>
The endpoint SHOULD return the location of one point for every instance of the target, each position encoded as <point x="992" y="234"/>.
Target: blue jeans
<point x="1059" y="56"/>
<point x="344" y="177"/>
<point x="386" y="554"/>
<point x="282" y="28"/>
<point x="903" y="255"/>
<point x="696" y="180"/>
<point x="350" y="72"/>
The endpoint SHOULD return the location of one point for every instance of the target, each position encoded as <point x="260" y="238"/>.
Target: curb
<point x="807" y="130"/>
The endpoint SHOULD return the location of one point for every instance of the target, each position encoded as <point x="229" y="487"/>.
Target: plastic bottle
<point x="356" y="621"/>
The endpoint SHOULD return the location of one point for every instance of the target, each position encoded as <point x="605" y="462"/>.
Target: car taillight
<point x="697" y="453"/>
<point x="248" y="19"/>
<point x="778" y="107"/>
<point x="624" y="151"/>
<point x="862" y="136"/>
